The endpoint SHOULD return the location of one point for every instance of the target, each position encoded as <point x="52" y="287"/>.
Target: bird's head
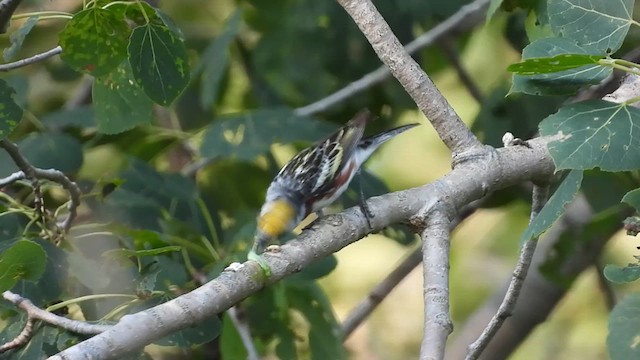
<point x="276" y="217"/>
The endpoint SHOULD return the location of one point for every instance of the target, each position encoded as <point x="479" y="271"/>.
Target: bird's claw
<point x="368" y="214"/>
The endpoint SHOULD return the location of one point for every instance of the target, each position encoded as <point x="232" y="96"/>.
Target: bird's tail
<point x="372" y="142"/>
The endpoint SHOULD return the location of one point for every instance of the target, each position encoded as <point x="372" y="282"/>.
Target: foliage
<point x="173" y="147"/>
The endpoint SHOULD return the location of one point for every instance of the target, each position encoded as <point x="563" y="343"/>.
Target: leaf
<point x="159" y="62"/>
<point x="214" y="60"/>
<point x="119" y="103"/>
<point x="247" y="135"/>
<point x="561" y="82"/>
<point x="10" y="112"/>
<point x="33" y="349"/>
<point x="594" y="134"/>
<point x="53" y="150"/>
<point x="95" y="41"/>
<point x="553" y="64"/>
<point x="23" y="260"/>
<point x="555" y="207"/>
<point x="87" y="271"/>
<point x="602" y="24"/>
<point x="624" y="332"/>
<point x="17" y="38"/>
<point x="633" y="198"/>
<point x="317" y="269"/>
<point x="622" y="274"/>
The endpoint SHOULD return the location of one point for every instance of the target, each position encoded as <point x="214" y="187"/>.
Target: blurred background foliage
<point x="169" y="203"/>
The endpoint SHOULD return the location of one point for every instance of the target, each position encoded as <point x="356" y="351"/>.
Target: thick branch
<point x="462" y="185"/>
<point x="435" y="255"/>
<point x="450" y="128"/>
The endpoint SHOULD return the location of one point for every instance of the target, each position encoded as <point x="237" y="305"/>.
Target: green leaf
<point x="95" y="41"/>
<point x="33" y="349"/>
<point x="594" y="134"/>
<point x="17" y="38"/>
<point x="23" y="260"/>
<point x="633" y="198"/>
<point x="622" y="274"/>
<point x="10" y="112"/>
<point x="624" y="332"/>
<point x="159" y="62"/>
<point x="317" y="269"/>
<point x="203" y="332"/>
<point x="555" y="207"/>
<point x="602" y="24"/>
<point x="143" y="253"/>
<point x="53" y="150"/>
<point x="245" y="136"/>
<point x="553" y="64"/>
<point x="214" y="60"/>
<point x="119" y="103"/>
<point x="562" y="82"/>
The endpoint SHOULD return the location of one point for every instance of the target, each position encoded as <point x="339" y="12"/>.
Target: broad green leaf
<point x="214" y="61"/>
<point x="601" y="24"/>
<point x="17" y="38"/>
<point x="146" y="282"/>
<point x="23" y="260"/>
<point x="247" y="135"/>
<point x="53" y="281"/>
<point x="119" y="103"/>
<point x="624" y="331"/>
<point x="10" y="112"/>
<point x="594" y="134"/>
<point x="633" y="198"/>
<point x="231" y="346"/>
<point x="159" y="62"/>
<point x="622" y="274"/>
<point x="95" y="41"/>
<point x="33" y="349"/>
<point x="203" y="332"/>
<point x="553" y="64"/>
<point x="561" y="82"/>
<point x="555" y="207"/>
<point x="53" y="150"/>
<point x="81" y="117"/>
<point x="317" y="269"/>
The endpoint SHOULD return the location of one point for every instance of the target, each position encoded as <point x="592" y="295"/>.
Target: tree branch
<point x="435" y="254"/>
<point x="459" y="187"/>
<point x="450" y="128"/>
<point x="31" y="60"/>
<point x="468" y="17"/>
<point x="540" y="196"/>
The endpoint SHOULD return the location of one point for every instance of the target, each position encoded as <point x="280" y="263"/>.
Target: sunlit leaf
<point x="561" y="82"/>
<point x="553" y="64"/>
<point x="633" y="198"/>
<point x="95" y="41"/>
<point x="119" y="103"/>
<point x="594" y="134"/>
<point x="159" y="62"/>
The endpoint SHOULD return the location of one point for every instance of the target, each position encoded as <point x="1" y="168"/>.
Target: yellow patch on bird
<point x="275" y="221"/>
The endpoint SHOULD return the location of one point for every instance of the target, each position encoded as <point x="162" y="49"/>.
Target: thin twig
<point x="33" y="174"/>
<point x="466" y="18"/>
<point x="539" y="198"/>
<point x="35" y="313"/>
<point x="31" y="60"/>
<point x="245" y="333"/>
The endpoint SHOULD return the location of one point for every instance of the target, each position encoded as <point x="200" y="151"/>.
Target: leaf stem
<point x="60" y="305"/>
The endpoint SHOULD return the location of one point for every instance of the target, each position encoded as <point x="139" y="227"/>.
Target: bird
<point x="314" y="178"/>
